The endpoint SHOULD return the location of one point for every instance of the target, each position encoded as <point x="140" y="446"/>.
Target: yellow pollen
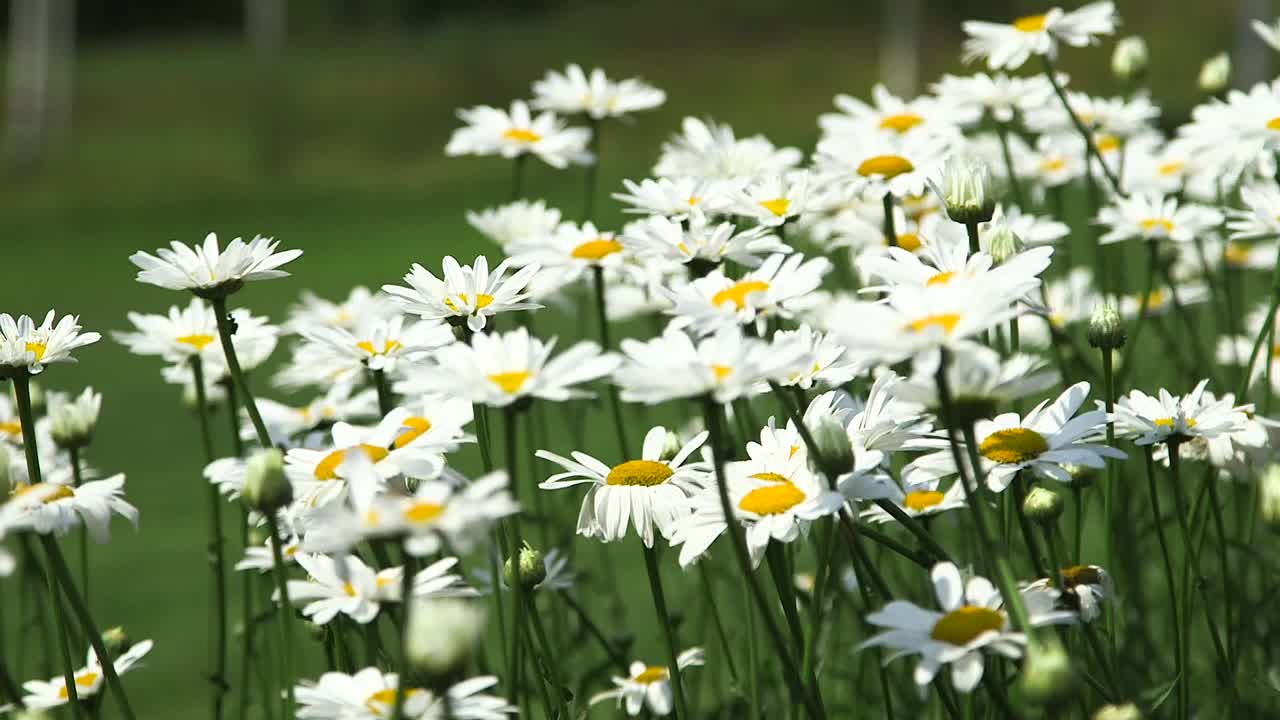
<point x="482" y="301"/>
<point x="639" y="473"/>
<point x="38" y="348"/>
<point x="650" y="675"/>
<point x="291" y="550"/>
<point x="196" y="341"/>
<point x="522" y="135"/>
<point x="1030" y="23"/>
<point x="1273" y="123"/>
<point x="1107" y="143"/>
<point x="349" y="589"/>
<point x="901" y="122"/>
<point x="910" y="242"/>
<point x="1168" y="422"/>
<point x="792" y="452"/>
<point x="327" y="468"/>
<point x="774" y="477"/>
<point x="964" y="624"/>
<point x="1155" y="299"/>
<point x="946" y="321"/>
<point x="423" y="512"/>
<point x="510" y="381"/>
<point x="417" y="426"/>
<point x="738" y="292"/>
<point x="1171" y="168"/>
<point x="387" y="347"/>
<point x="772" y="499"/>
<point x="1081" y="575"/>
<point x="12" y="428"/>
<point x="721" y="371"/>
<point x="693" y="200"/>
<point x="597" y="249"/>
<point x="1053" y="163"/>
<point x="941" y="278"/>
<point x="888" y="166"/>
<point x="84" y="680"/>
<point x="1014" y="445"/>
<point x="51" y="491"/>
<point x="384" y="699"/>
<point x="777" y="206"/>
<point x="382" y="581"/>
<point x="1151" y="224"/>
<point x="1236" y="254"/>
<point x="919" y="500"/>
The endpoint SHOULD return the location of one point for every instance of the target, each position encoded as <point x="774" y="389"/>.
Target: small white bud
<point x="442" y="634"/>
<point x="1004" y="243"/>
<point x="967" y="190"/>
<point x="532" y="568"/>
<point x="72" y="422"/>
<point x="1130" y="59"/>
<point x="1042" y="505"/>
<point x="1047" y="675"/>
<point x="834" y="447"/>
<point x="1215" y="74"/>
<point x="1106" y="329"/>
<point x="1269" y="500"/>
<point x="265" y="486"/>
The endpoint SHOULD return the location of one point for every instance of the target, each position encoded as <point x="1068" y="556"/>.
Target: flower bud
<point x="1130" y="59"/>
<point x="532" y="569"/>
<point x="257" y="536"/>
<point x="967" y="190"/>
<point x="1082" y="476"/>
<point x="833" y="446"/>
<point x="116" y="641"/>
<point x="72" y="422"/>
<point x="1047" y="676"/>
<point x="1043" y="505"/>
<point x="670" y="447"/>
<point x="1269" y="500"/>
<point x="442" y="634"/>
<point x="1003" y="243"/>
<point x="1128" y="711"/>
<point x="1106" y="329"/>
<point x="266" y="488"/>
<point x="1215" y="74"/>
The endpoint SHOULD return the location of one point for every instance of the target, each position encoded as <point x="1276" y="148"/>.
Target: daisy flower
<point x="998" y="96"/>
<point x="493" y="131"/>
<point x="947" y="259"/>
<point x="888" y="113"/>
<point x="1122" y="118"/>
<point x="879" y="162"/>
<point x="1261" y="218"/>
<point x="466" y="293"/>
<point x="1084" y="589"/>
<point x="209" y="272"/>
<point x="262" y="557"/>
<point x="346" y="585"/>
<point x="1068" y="300"/>
<point x="522" y="220"/>
<point x="53" y="508"/>
<point x="771" y="290"/>
<point x="710" y="151"/>
<point x="772" y="200"/>
<point x="648" y="493"/>
<point x="922" y="499"/>
<point x="596" y="96"/>
<point x="42" y="694"/>
<point x="1151" y="217"/>
<point x="360" y="305"/>
<point x="676" y="198"/>
<point x="502" y="368"/>
<point x="1057" y="160"/>
<point x="1166" y="417"/>
<point x="1010" y="45"/>
<point x="699" y="240"/>
<point x="340" y="403"/>
<point x="972" y="623"/>
<point x="830" y="368"/>
<point x="726" y="366"/>
<point x="378" y="345"/>
<point x="979" y="376"/>
<point x="25" y="346"/>
<point x="1032" y="230"/>
<point x="370" y="694"/>
<point x="648" y="685"/>
<point x="1161" y="299"/>
<point x="72" y="420"/>
<point x="176" y="337"/>
<point x="571" y="250"/>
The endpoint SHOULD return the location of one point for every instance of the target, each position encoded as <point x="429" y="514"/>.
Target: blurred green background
<point x="326" y="130"/>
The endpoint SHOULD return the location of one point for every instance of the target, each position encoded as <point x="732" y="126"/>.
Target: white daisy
<point x="469" y="293"/>
<point x="54" y="508"/>
<point x="925" y="115"/>
<point x="676" y="198"/>
<point x="709" y="151"/>
<point x="343" y="356"/>
<point x="772" y="200"/>
<point x="360" y="305"/>
<point x="29" y="347"/>
<point x="522" y="220"/>
<point x="830" y="367"/>
<point x="596" y="96"/>
<point x="1261" y="219"/>
<point x="1010" y="45"/>
<point x="42" y="694"/>
<point x="1150" y="420"/>
<point x="999" y="96"/>
<point x="716" y="301"/>
<point x="1150" y="217"/>
<point x="571" y="250"/>
<point x="1084" y="589"/>
<point x="346" y="585"/>
<point x="176" y="337"/>
<point x="880" y="162"/>
<point x="208" y="271"/>
<point x="699" y="240"/>
<point x="979" y="376"/>
<point x="922" y="499"/>
<point x="648" y="685"/>
<point x="493" y="131"/>
<point x="371" y="695"/>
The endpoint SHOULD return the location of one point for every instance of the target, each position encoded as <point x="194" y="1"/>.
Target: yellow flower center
<point x="416" y="427"/>
<point x="1236" y="254"/>
<point x="1171" y="168"/>
<point x="901" y="122"/>
<point x="423" y="512"/>
<point x="910" y="242"/>
<point x="385" y="699"/>
<point x="1030" y="23"/>
<point x="1081" y="575"/>
<point x="482" y="301"/>
<point x="510" y="381"/>
<point x="964" y="624"/>
<point x="946" y="321"/>
<point x="693" y="200"/>
<point x="12" y="428"/>
<point x="1107" y="143"/>
<point x="38" y="348"/>
<point x="1053" y="163"/>
<point x="919" y="500"/>
<point x="777" y="206"/>
<point x="1153" y="224"/>
<point x="522" y="135"/>
<point x="48" y="492"/>
<point x="1273" y="123"/>
<point x="327" y="468"/>
<point x="774" y="477"/>
<point x="941" y="278"/>
<point x="887" y="166"/>
<point x="721" y="371"/>
<point x="1168" y="422"/>
<point x="773" y="499"/>
<point x="1155" y="299"/>
<point x="738" y="292"/>
<point x="85" y="679"/>
<point x="651" y="674"/>
<point x="198" y="341"/>
<point x="597" y="249"/>
<point x="1014" y="445"/>
<point x="639" y="473"/>
<point x="349" y="589"/>
<point x="387" y="347"/>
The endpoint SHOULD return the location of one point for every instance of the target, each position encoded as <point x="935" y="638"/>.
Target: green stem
<point x="237" y="375"/>
<point x="890" y="232"/>
<point x="547" y="657"/>
<point x="594" y="630"/>
<point x="615" y="405"/>
<point x="386" y="401"/>
<point x="217" y="557"/>
<point x="77" y="475"/>
<point x="68" y="665"/>
<point x="1024" y="523"/>
<point x="668" y="634"/>
<point x="1180" y="671"/>
<point x="513" y="546"/>
<point x="1015" y="186"/>
<point x="1079" y="125"/>
<point x="971" y="228"/>
<point x="774" y="556"/>
<point x="1144" y="305"/>
<point x="1223" y="569"/>
<point x="286" y="613"/>
<point x="517" y="176"/>
<point x="406" y="606"/>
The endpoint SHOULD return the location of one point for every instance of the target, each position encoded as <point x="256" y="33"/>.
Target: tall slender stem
<point x="217" y="559"/>
<point x="971" y="229"/>
<point x="406" y="606"/>
<point x="1144" y="305"/>
<point x="77" y="475"/>
<point x="615" y="405"/>
<point x="225" y="332"/>
<point x="386" y="401"/>
<point x="286" y="613"/>
<point x="1015" y="186"/>
<point x="513" y="546"/>
<point x="1180" y="671"/>
<point x="890" y="231"/>
<point x="1092" y="149"/>
<point x="68" y="665"/>
<point x="668" y="634"/>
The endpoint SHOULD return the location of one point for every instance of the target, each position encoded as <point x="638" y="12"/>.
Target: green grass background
<point x="167" y="142"/>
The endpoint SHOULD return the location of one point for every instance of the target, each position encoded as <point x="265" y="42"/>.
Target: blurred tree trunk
<point x="266" y="28"/>
<point x="41" y="55"/>
<point x="900" y="46"/>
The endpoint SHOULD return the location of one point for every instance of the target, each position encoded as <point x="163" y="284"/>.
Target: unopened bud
<point x="833" y="446"/>
<point x="1043" y="505"/>
<point x="1047" y="675"/>
<point x="1130" y="59"/>
<point x="1003" y="243"/>
<point x="116" y="641"/>
<point x="1082" y="476"/>
<point x="1215" y="74"/>
<point x="72" y="421"/>
<point x="967" y="190"/>
<point x="670" y="447"/>
<point x="1106" y="329"/>
<point x="266" y="488"/>
<point x="1128" y="711"/>
<point x="257" y="536"/>
<point x="1269" y="500"/>
<point x="531" y="567"/>
<point x="442" y="634"/>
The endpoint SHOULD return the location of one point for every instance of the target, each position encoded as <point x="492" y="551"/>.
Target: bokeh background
<point x="322" y="123"/>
